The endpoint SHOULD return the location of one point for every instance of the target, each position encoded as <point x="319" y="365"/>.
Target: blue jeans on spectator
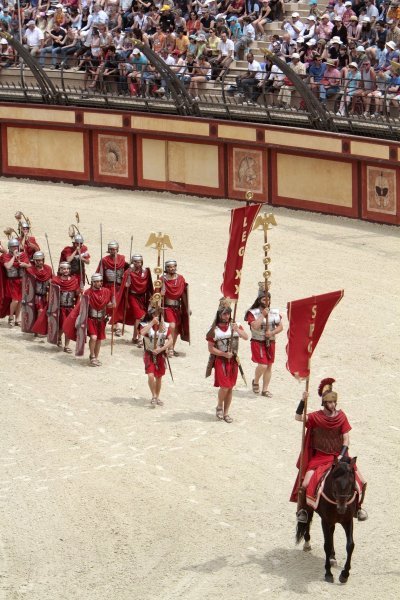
<point x="325" y="93"/>
<point x="48" y="50"/>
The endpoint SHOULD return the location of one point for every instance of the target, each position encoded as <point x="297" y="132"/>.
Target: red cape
<point x="68" y="250"/>
<point x="173" y="288"/>
<point x="4" y="300"/>
<point x="138" y="282"/>
<point x="108" y="263"/>
<point x="67" y="285"/>
<point x="28" y="249"/>
<point x="315" y="419"/>
<point x="41" y="274"/>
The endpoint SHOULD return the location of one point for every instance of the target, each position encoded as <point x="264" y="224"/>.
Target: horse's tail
<point x="303" y="528"/>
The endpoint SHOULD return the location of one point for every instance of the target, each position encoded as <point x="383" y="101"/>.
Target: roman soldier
<point x="265" y="323"/>
<point x="27" y="243"/>
<point x="157" y="339"/>
<point x="174" y="291"/>
<point x="134" y="296"/>
<point x="112" y="268"/>
<point x="12" y="264"/>
<point x="69" y="294"/>
<point x="223" y="342"/>
<point x="78" y="256"/>
<point x="42" y="274"/>
<point x="327" y="439"/>
<point x="100" y="299"/>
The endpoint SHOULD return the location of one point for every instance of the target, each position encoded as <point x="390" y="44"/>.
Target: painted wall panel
<point x="314" y="180"/>
<point x="154" y="157"/>
<point x="45" y="149"/>
<point x="193" y="164"/>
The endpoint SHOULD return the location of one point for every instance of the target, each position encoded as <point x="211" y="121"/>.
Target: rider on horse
<point x="327" y="439"/>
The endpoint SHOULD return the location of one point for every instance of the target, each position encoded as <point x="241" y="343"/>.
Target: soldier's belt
<point x="135" y="294"/>
<point x="97" y="314"/>
<point x="174" y="303"/>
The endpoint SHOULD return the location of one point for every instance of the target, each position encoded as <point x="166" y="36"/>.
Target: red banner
<point x="242" y="220"/>
<point x="307" y="320"/>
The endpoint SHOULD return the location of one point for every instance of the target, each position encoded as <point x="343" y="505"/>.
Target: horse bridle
<point x="338" y="497"/>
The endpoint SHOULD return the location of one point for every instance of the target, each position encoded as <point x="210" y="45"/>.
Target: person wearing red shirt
<point x="42" y="274"/>
<point x="12" y="264"/>
<point x="173" y="289"/>
<point x="223" y="341"/>
<point x="27" y="243"/>
<point x="100" y="298"/>
<point x="157" y="339"/>
<point x="327" y="439"/>
<point x="265" y="323"/>
<point x="69" y="294"/>
<point x="78" y="256"/>
<point x="112" y="267"/>
<point x="133" y="297"/>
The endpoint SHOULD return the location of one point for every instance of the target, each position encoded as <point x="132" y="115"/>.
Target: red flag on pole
<point x="307" y="320"/>
<point x="242" y="220"/>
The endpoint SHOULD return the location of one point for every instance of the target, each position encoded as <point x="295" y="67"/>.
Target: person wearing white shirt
<point x="248" y="36"/>
<point x="293" y="26"/>
<point x="33" y="38"/>
<point x="225" y="55"/>
<point x="372" y="11"/>
<point x="247" y="83"/>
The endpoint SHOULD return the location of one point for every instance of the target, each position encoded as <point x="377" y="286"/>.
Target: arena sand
<point x="102" y="497"/>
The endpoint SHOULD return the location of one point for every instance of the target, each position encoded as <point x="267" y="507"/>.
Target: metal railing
<point x="294" y="102"/>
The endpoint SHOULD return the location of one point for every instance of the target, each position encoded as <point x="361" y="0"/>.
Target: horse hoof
<point x="333" y="562"/>
<point x="307" y="547"/>
<point x="329" y="578"/>
<point x="343" y="578"/>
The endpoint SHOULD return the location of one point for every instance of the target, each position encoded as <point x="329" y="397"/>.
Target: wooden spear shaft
<point x="303" y="435"/>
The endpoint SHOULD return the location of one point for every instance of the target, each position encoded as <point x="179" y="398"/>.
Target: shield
<point x="185" y="314"/>
<point x="28" y="308"/>
<point x="81" y="326"/>
<point x="53" y="313"/>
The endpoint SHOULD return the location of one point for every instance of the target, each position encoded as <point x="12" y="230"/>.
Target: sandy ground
<point x="102" y="497"/>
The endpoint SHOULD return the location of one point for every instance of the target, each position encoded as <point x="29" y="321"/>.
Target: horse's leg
<point x="348" y="527"/>
<point x="307" y="537"/>
<point x="332" y="557"/>
<point x="328" y="547"/>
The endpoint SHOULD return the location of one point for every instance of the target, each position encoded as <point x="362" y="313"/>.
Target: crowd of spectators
<point x="344" y="49"/>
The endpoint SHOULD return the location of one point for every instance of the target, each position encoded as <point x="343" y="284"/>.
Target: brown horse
<point x="338" y="504"/>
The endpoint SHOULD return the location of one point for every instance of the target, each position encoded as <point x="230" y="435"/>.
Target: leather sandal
<point x="266" y="394"/>
<point x="255" y="387"/>
<point x="228" y="419"/>
<point x="160" y="402"/>
<point x="67" y="350"/>
<point x="153" y="402"/>
<point x="219" y="413"/>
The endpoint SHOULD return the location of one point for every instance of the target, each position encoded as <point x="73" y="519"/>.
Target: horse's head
<point x="343" y="483"/>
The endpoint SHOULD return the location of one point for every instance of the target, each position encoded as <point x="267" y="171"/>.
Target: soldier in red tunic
<point x="42" y="274"/>
<point x="173" y="289"/>
<point x="27" y="243"/>
<point x="100" y="299"/>
<point x="134" y="295"/>
<point x="69" y="294"/>
<point x="12" y="264"/>
<point x="265" y="323"/>
<point x="327" y="439"/>
<point x="157" y="340"/>
<point x="223" y="341"/>
<point x="112" y="267"/>
<point x="77" y="256"/>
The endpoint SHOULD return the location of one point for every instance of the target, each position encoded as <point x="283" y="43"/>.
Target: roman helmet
<point x="113" y="244"/>
<point x="64" y="265"/>
<point x="96" y="277"/>
<point x="39" y="255"/>
<point x="13" y="243"/>
<point x="325" y="391"/>
<point x="78" y="239"/>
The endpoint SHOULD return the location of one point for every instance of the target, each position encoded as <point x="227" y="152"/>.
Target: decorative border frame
<point x="120" y="180"/>
<point x="381" y="217"/>
<point x="260" y="195"/>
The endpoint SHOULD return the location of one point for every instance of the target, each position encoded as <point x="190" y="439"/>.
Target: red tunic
<point x="154" y="363"/>
<point x="173" y="290"/>
<point x="27" y="247"/>
<point x="12" y="288"/>
<point x="75" y="269"/>
<point x="108" y="263"/>
<point x="42" y="275"/>
<point x="315" y="458"/>
<point x="260" y="352"/>
<point x="136" y="288"/>
<point x="98" y="300"/>
<point x="225" y="371"/>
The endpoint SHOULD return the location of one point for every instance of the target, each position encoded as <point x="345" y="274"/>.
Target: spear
<point x="114" y="298"/>
<point x="127" y="285"/>
<point x="101" y="248"/>
<point x="48" y="247"/>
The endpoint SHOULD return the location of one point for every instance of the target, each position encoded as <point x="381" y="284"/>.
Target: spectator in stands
<point x="287" y="89"/>
<point x="339" y="30"/>
<point x="393" y="34"/>
<point x="330" y="82"/>
<point x="263" y="18"/>
<point x="247" y="38"/>
<point x="247" y="82"/>
<point x="324" y="28"/>
<point x="294" y="26"/>
<point x="377" y="95"/>
<point x="57" y="34"/>
<point x="225" y="56"/>
<point x="33" y="39"/>
<point x="201" y="73"/>
<point x="352" y="82"/>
